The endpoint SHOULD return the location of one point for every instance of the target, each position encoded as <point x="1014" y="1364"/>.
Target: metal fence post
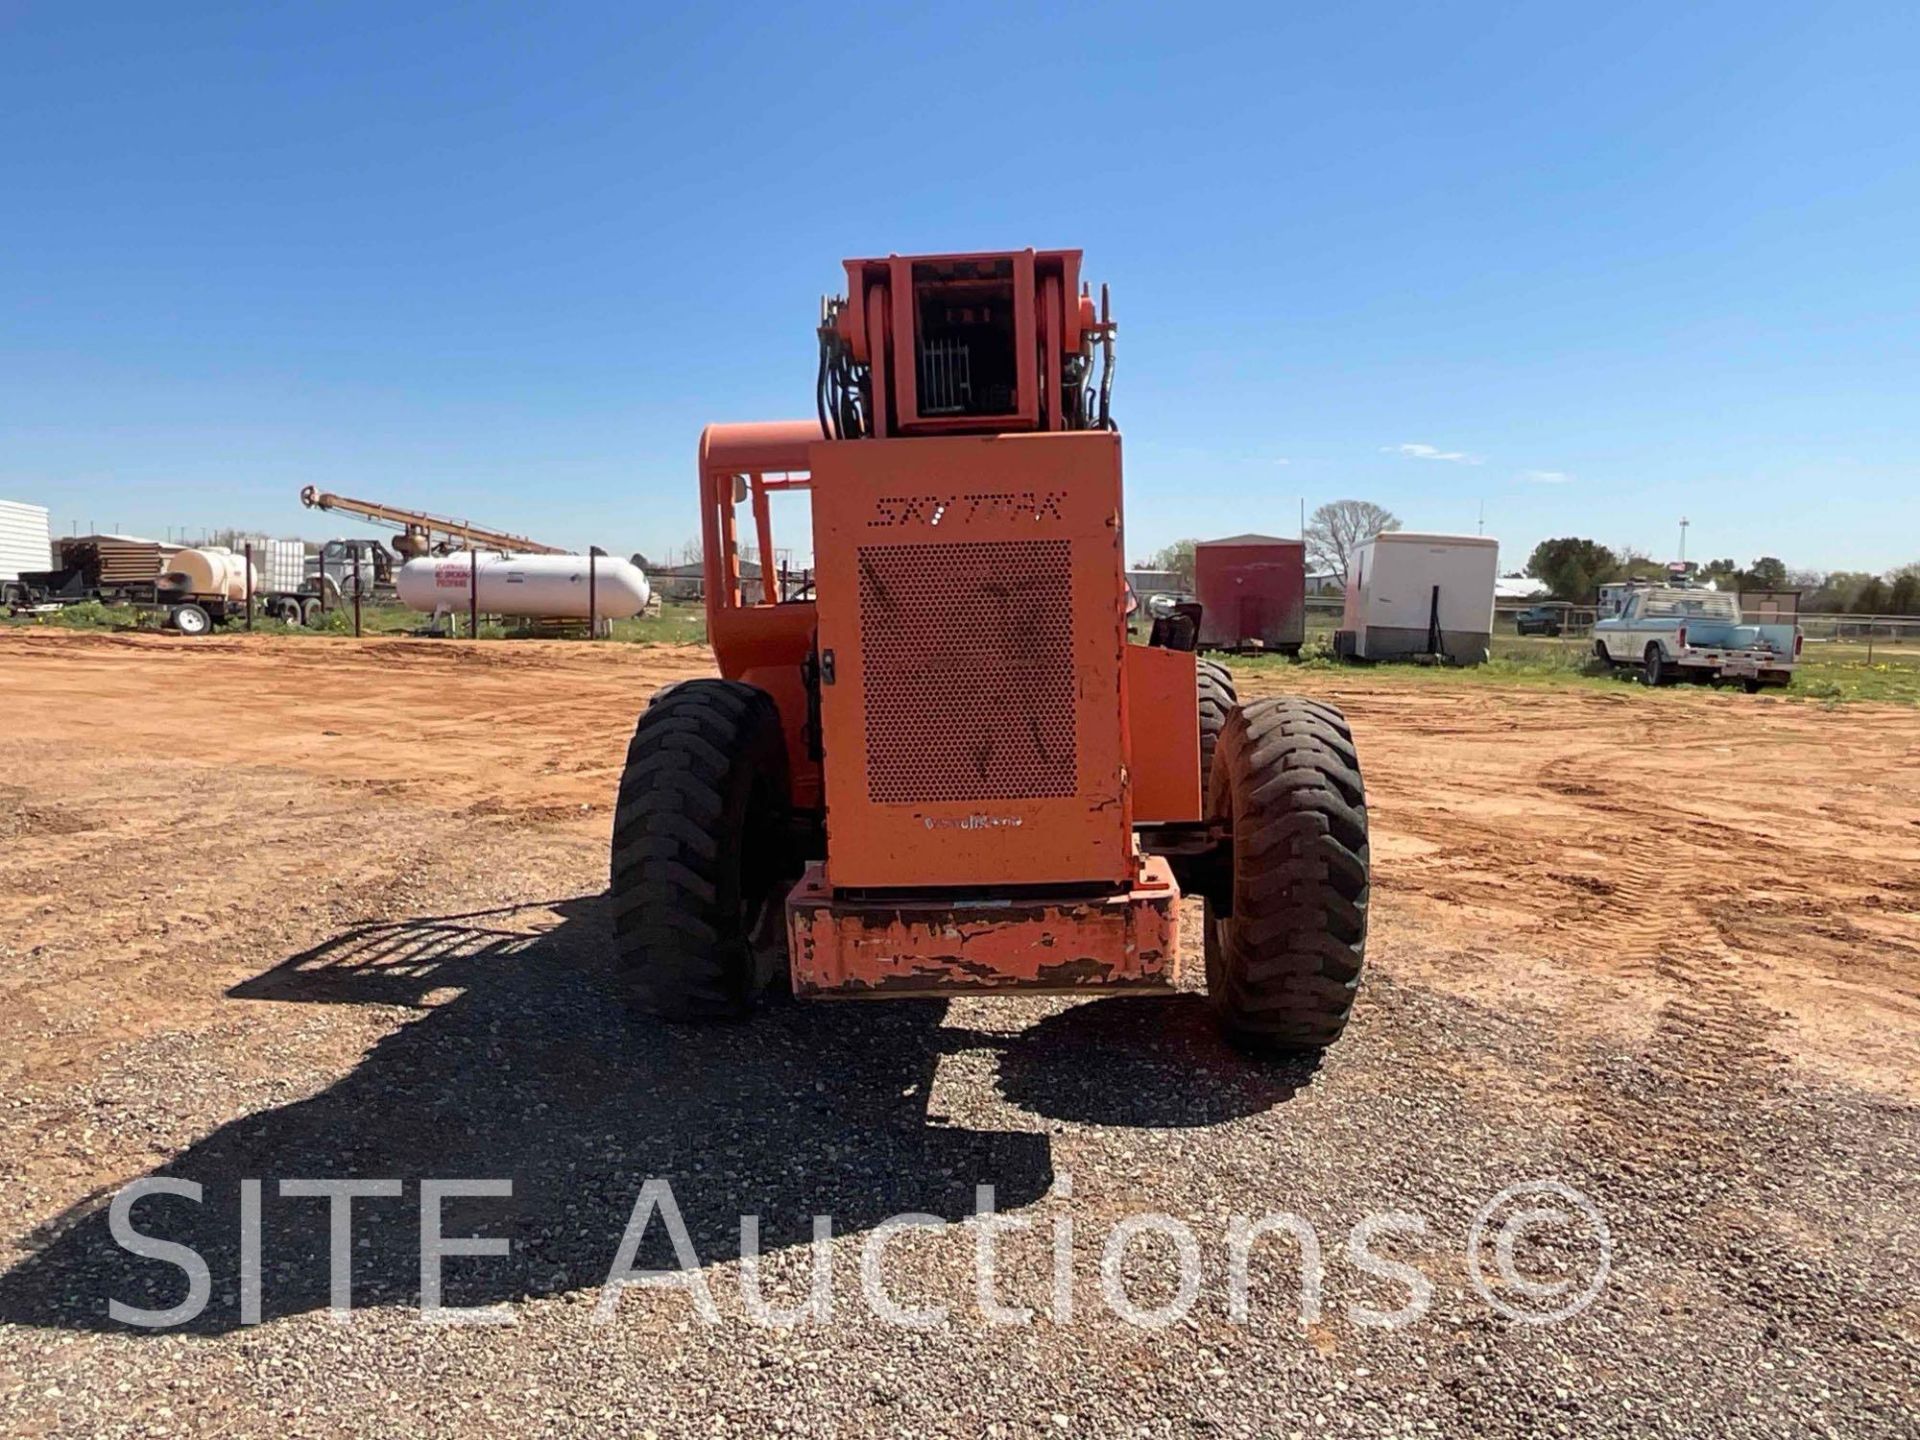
<point x="473" y="592"/>
<point x="249" y="585"/>
<point x="356" y="592"/>
<point x="593" y="595"/>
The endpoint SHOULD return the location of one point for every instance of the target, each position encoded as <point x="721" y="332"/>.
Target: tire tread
<point x="1284" y="966"/>
<point x="693" y="749"/>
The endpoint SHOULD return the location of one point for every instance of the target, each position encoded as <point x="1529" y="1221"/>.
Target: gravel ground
<point x="352" y="981"/>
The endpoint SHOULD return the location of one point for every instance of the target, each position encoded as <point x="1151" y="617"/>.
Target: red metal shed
<point x="1252" y="591"/>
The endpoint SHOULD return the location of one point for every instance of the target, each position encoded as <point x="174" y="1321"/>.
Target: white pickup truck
<point x="1680" y="633"/>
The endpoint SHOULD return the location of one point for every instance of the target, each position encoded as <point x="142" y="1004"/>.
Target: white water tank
<point x="536" y="587"/>
<point x="286" y="565"/>
<point x="211" y="572"/>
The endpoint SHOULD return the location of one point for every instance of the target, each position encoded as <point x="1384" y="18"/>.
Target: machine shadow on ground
<point x="523" y="1064"/>
<point x="1154" y="1061"/>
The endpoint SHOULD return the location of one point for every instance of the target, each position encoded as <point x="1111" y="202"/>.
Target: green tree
<point x="1718" y="571"/>
<point x="1178" y="556"/>
<point x="1572" y="568"/>
<point x="1834" y="592"/>
<point x="1638" y="565"/>
<point x="1766" y="573"/>
<point x="1903" y="595"/>
<point x="1871" y="598"/>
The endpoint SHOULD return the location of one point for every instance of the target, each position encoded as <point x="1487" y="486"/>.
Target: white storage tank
<point x="24" y="542"/>
<point x="1398" y="583"/>
<point x="210" y="572"/>
<point x="286" y="565"/>
<point x="534" y="587"/>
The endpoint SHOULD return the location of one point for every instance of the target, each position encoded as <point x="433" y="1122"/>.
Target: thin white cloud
<point x="1545" y="477"/>
<point x="1416" y="451"/>
<point x="1281" y="460"/>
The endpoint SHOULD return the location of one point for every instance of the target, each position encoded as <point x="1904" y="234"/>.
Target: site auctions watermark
<point x="1569" y="1257"/>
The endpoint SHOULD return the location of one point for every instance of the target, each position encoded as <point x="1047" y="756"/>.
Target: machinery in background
<point x="425" y="534"/>
<point x="346" y="567"/>
<point x="512" y="575"/>
<point x="946" y="771"/>
<point x="206" y="586"/>
<point x="211" y="585"/>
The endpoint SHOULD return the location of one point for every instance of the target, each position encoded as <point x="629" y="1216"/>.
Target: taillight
<point x="1797" y="638"/>
<point x="1681" y="639"/>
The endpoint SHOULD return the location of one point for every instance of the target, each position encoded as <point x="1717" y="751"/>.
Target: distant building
<point x="1147" y="583"/>
<point x="1520" y="587"/>
<point x="688" y="582"/>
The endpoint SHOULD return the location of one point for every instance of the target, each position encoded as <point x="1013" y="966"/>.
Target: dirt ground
<point x="304" y="907"/>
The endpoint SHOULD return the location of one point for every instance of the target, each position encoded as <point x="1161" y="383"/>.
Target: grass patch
<point x="1543" y="661"/>
<point x="672" y="625"/>
<point x="1516" y="660"/>
<point x="1839" y="681"/>
<point x="89" y="615"/>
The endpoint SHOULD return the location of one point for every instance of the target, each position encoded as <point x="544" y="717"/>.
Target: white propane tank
<point x="211" y="572"/>
<point x="535" y="587"/>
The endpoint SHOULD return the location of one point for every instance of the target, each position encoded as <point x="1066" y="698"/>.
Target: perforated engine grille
<point x="967" y="654"/>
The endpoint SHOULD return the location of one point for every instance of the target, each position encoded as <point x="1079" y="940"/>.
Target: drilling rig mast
<point x="418" y="529"/>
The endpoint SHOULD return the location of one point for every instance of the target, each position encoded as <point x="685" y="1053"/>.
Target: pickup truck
<point x="1548" y="619"/>
<point x="1679" y="633"/>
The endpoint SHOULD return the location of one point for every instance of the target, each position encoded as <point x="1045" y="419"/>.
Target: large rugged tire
<point x="700" y="855"/>
<point x="1283" y="965"/>
<point x="1654" y="669"/>
<point x="1217" y="699"/>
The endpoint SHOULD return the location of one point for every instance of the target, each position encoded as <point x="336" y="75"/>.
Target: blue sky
<point x="1592" y="266"/>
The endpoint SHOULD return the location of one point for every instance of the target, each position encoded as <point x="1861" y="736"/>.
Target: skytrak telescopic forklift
<point x="947" y="772"/>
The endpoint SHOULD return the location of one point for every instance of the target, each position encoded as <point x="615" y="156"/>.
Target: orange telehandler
<point x="946" y="770"/>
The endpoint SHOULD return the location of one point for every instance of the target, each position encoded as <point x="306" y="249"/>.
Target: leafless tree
<point x="1340" y="527"/>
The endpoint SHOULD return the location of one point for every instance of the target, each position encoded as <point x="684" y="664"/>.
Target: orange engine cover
<point x="971" y="608"/>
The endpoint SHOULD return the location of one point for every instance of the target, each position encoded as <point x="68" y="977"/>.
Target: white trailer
<point x="1420" y="596"/>
<point x="25" y="544"/>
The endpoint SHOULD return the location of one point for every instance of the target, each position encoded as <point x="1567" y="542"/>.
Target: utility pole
<point x="1483" y="519"/>
<point x="1683" y="539"/>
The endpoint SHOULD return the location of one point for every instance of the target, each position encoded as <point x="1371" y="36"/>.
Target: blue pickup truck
<point x="1671" y="632"/>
